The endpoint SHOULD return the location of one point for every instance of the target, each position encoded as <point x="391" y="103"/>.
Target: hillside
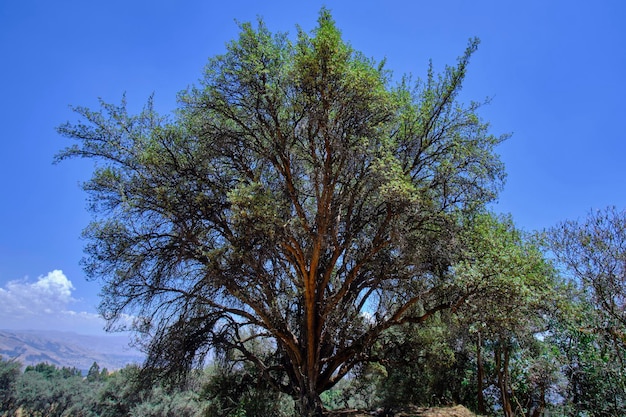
<point x="67" y="349"/>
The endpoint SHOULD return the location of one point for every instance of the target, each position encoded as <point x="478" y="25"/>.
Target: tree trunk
<point x="309" y="404"/>
<point x="502" y="354"/>
<point x="480" y="377"/>
<point x="538" y="411"/>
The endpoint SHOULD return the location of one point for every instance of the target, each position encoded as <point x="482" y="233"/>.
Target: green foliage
<point x="494" y="343"/>
<point x="9" y="373"/>
<point x="516" y="292"/>
<point x="512" y="283"/>
<point x="424" y="365"/>
<point x="238" y="392"/>
<point x="593" y="366"/>
<point x="47" y="390"/>
<point x="360" y="390"/>
<point x="119" y="393"/>
<point x="592" y="253"/>
<point x="95" y="374"/>
<point x="163" y="403"/>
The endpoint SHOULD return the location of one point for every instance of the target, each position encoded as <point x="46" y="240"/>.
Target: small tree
<point x="93" y="374"/>
<point x="297" y="196"/>
<point x="119" y="393"/>
<point x="488" y="343"/>
<point x="592" y="254"/>
<point x="517" y="292"/>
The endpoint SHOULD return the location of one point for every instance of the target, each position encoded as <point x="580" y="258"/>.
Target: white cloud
<point x="44" y="304"/>
<point x="56" y="285"/>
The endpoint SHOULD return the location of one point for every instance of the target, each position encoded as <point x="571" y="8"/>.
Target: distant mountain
<point x="67" y="349"/>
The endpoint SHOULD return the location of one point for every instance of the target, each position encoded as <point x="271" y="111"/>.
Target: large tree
<point x="298" y="195"/>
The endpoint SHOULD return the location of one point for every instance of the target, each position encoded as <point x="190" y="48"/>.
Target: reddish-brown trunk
<point x="502" y="354"/>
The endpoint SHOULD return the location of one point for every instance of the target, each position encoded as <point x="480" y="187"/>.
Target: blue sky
<point x="555" y="71"/>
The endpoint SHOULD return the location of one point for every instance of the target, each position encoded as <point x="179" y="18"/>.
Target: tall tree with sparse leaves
<point x="297" y="195"/>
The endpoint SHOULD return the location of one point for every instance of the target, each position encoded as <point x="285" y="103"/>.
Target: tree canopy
<point x="593" y="254"/>
<point x="298" y="195"/>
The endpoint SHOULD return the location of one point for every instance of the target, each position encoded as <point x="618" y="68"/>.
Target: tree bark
<point x="309" y="404"/>
<point x="482" y="409"/>
<point x="538" y="411"/>
<point x="502" y="365"/>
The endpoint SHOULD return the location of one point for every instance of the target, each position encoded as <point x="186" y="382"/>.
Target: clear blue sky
<point x="555" y="70"/>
